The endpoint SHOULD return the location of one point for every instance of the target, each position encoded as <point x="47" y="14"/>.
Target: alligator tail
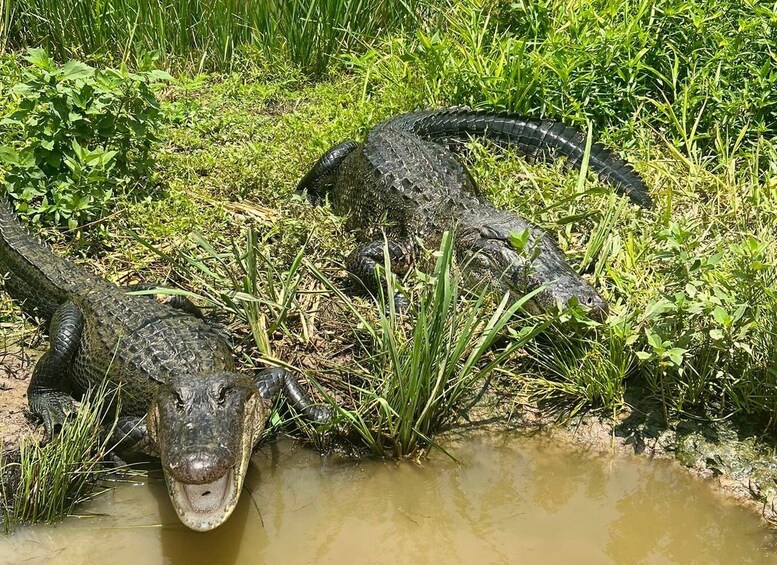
<point x="321" y="175"/>
<point x="536" y="138"/>
<point x="33" y="274"/>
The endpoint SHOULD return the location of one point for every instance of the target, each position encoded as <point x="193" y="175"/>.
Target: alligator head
<point x="495" y="253"/>
<point x="205" y="428"/>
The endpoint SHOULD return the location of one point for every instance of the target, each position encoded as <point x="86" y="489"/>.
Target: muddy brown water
<point x="512" y="500"/>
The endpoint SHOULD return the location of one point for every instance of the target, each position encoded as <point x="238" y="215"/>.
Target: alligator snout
<point x="201" y="466"/>
<point x="204" y="429"/>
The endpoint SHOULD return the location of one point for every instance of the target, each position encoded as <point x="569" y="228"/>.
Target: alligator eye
<point x="178" y="398"/>
<point x="221" y="394"/>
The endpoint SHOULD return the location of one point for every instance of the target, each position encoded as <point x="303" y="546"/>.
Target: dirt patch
<point x="16" y="365"/>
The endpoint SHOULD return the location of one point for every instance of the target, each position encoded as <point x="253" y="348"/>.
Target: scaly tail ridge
<point x="536" y="138"/>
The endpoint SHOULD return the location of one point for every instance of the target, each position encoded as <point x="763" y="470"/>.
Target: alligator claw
<point x="401" y="303"/>
<point x="320" y="415"/>
<point x="54" y="408"/>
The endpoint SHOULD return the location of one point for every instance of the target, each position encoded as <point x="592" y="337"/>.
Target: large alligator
<point x="180" y="397"/>
<point x="403" y="187"/>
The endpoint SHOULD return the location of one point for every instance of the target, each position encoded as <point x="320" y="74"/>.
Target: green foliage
<point x="710" y="337"/>
<point x="414" y="378"/>
<point x="206" y="34"/>
<point x="78" y="136"/>
<point x="582" y="369"/>
<point x="680" y="65"/>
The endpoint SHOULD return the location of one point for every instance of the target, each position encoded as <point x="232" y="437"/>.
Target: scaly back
<point x="34" y="275"/>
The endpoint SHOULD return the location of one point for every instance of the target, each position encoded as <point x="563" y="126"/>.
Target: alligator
<point x="404" y="186"/>
<point x="179" y="396"/>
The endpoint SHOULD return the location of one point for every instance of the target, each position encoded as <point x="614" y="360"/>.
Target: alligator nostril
<point x="200" y="468"/>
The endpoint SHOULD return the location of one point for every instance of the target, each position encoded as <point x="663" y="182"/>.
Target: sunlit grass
<point x="43" y="483"/>
<point x="413" y="372"/>
<point x="203" y="35"/>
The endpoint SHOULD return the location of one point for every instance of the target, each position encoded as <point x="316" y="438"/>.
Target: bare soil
<point x="16" y="364"/>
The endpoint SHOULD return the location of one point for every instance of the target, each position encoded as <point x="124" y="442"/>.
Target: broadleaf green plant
<point x="77" y="135"/>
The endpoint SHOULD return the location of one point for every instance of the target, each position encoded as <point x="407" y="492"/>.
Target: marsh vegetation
<point x="686" y="90"/>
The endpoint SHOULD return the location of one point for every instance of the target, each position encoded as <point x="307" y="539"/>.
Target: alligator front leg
<point x="274" y="381"/>
<point x="128" y="437"/>
<point x="46" y="393"/>
<point x="363" y="262"/>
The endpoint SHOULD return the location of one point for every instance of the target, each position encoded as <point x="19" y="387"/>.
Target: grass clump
<point x="578" y="370"/>
<point x="412" y="376"/>
<point x="243" y="283"/>
<point x="677" y="65"/>
<point x="43" y="483"/>
<point x="208" y="35"/>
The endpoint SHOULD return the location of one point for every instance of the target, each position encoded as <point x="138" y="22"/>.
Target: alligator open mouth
<point x="205" y="455"/>
<point x="206" y="506"/>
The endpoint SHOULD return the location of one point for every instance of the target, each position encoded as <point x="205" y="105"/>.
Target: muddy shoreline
<point x="16" y="366"/>
<point x="741" y="466"/>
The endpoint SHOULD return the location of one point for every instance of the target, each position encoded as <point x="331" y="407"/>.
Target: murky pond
<point x="512" y="500"/>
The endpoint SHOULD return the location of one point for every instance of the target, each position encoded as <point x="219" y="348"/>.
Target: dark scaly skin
<point x="404" y="182"/>
<point x="204" y="417"/>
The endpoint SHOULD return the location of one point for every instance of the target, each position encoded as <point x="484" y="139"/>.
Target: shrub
<point x="710" y="336"/>
<point x="77" y="136"/>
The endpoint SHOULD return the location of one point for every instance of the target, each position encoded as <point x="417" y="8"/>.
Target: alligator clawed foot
<point x="401" y="303"/>
<point x="321" y="415"/>
<point x="114" y="462"/>
<point x="53" y="408"/>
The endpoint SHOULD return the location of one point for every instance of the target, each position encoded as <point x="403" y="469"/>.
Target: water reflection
<point x="512" y="500"/>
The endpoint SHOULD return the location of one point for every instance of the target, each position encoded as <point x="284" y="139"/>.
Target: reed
<point x="43" y="483"/>
<point x="199" y="34"/>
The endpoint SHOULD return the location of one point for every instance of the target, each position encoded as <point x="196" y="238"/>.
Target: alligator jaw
<point x="205" y="428"/>
<point x="204" y="507"/>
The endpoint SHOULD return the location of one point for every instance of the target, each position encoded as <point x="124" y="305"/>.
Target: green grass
<point x="44" y="483"/>
<point x="412" y="373"/>
<point x="243" y="283"/>
<point x="700" y="73"/>
<point x="200" y="34"/>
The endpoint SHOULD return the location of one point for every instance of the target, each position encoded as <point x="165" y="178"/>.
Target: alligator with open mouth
<point x="179" y="395"/>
